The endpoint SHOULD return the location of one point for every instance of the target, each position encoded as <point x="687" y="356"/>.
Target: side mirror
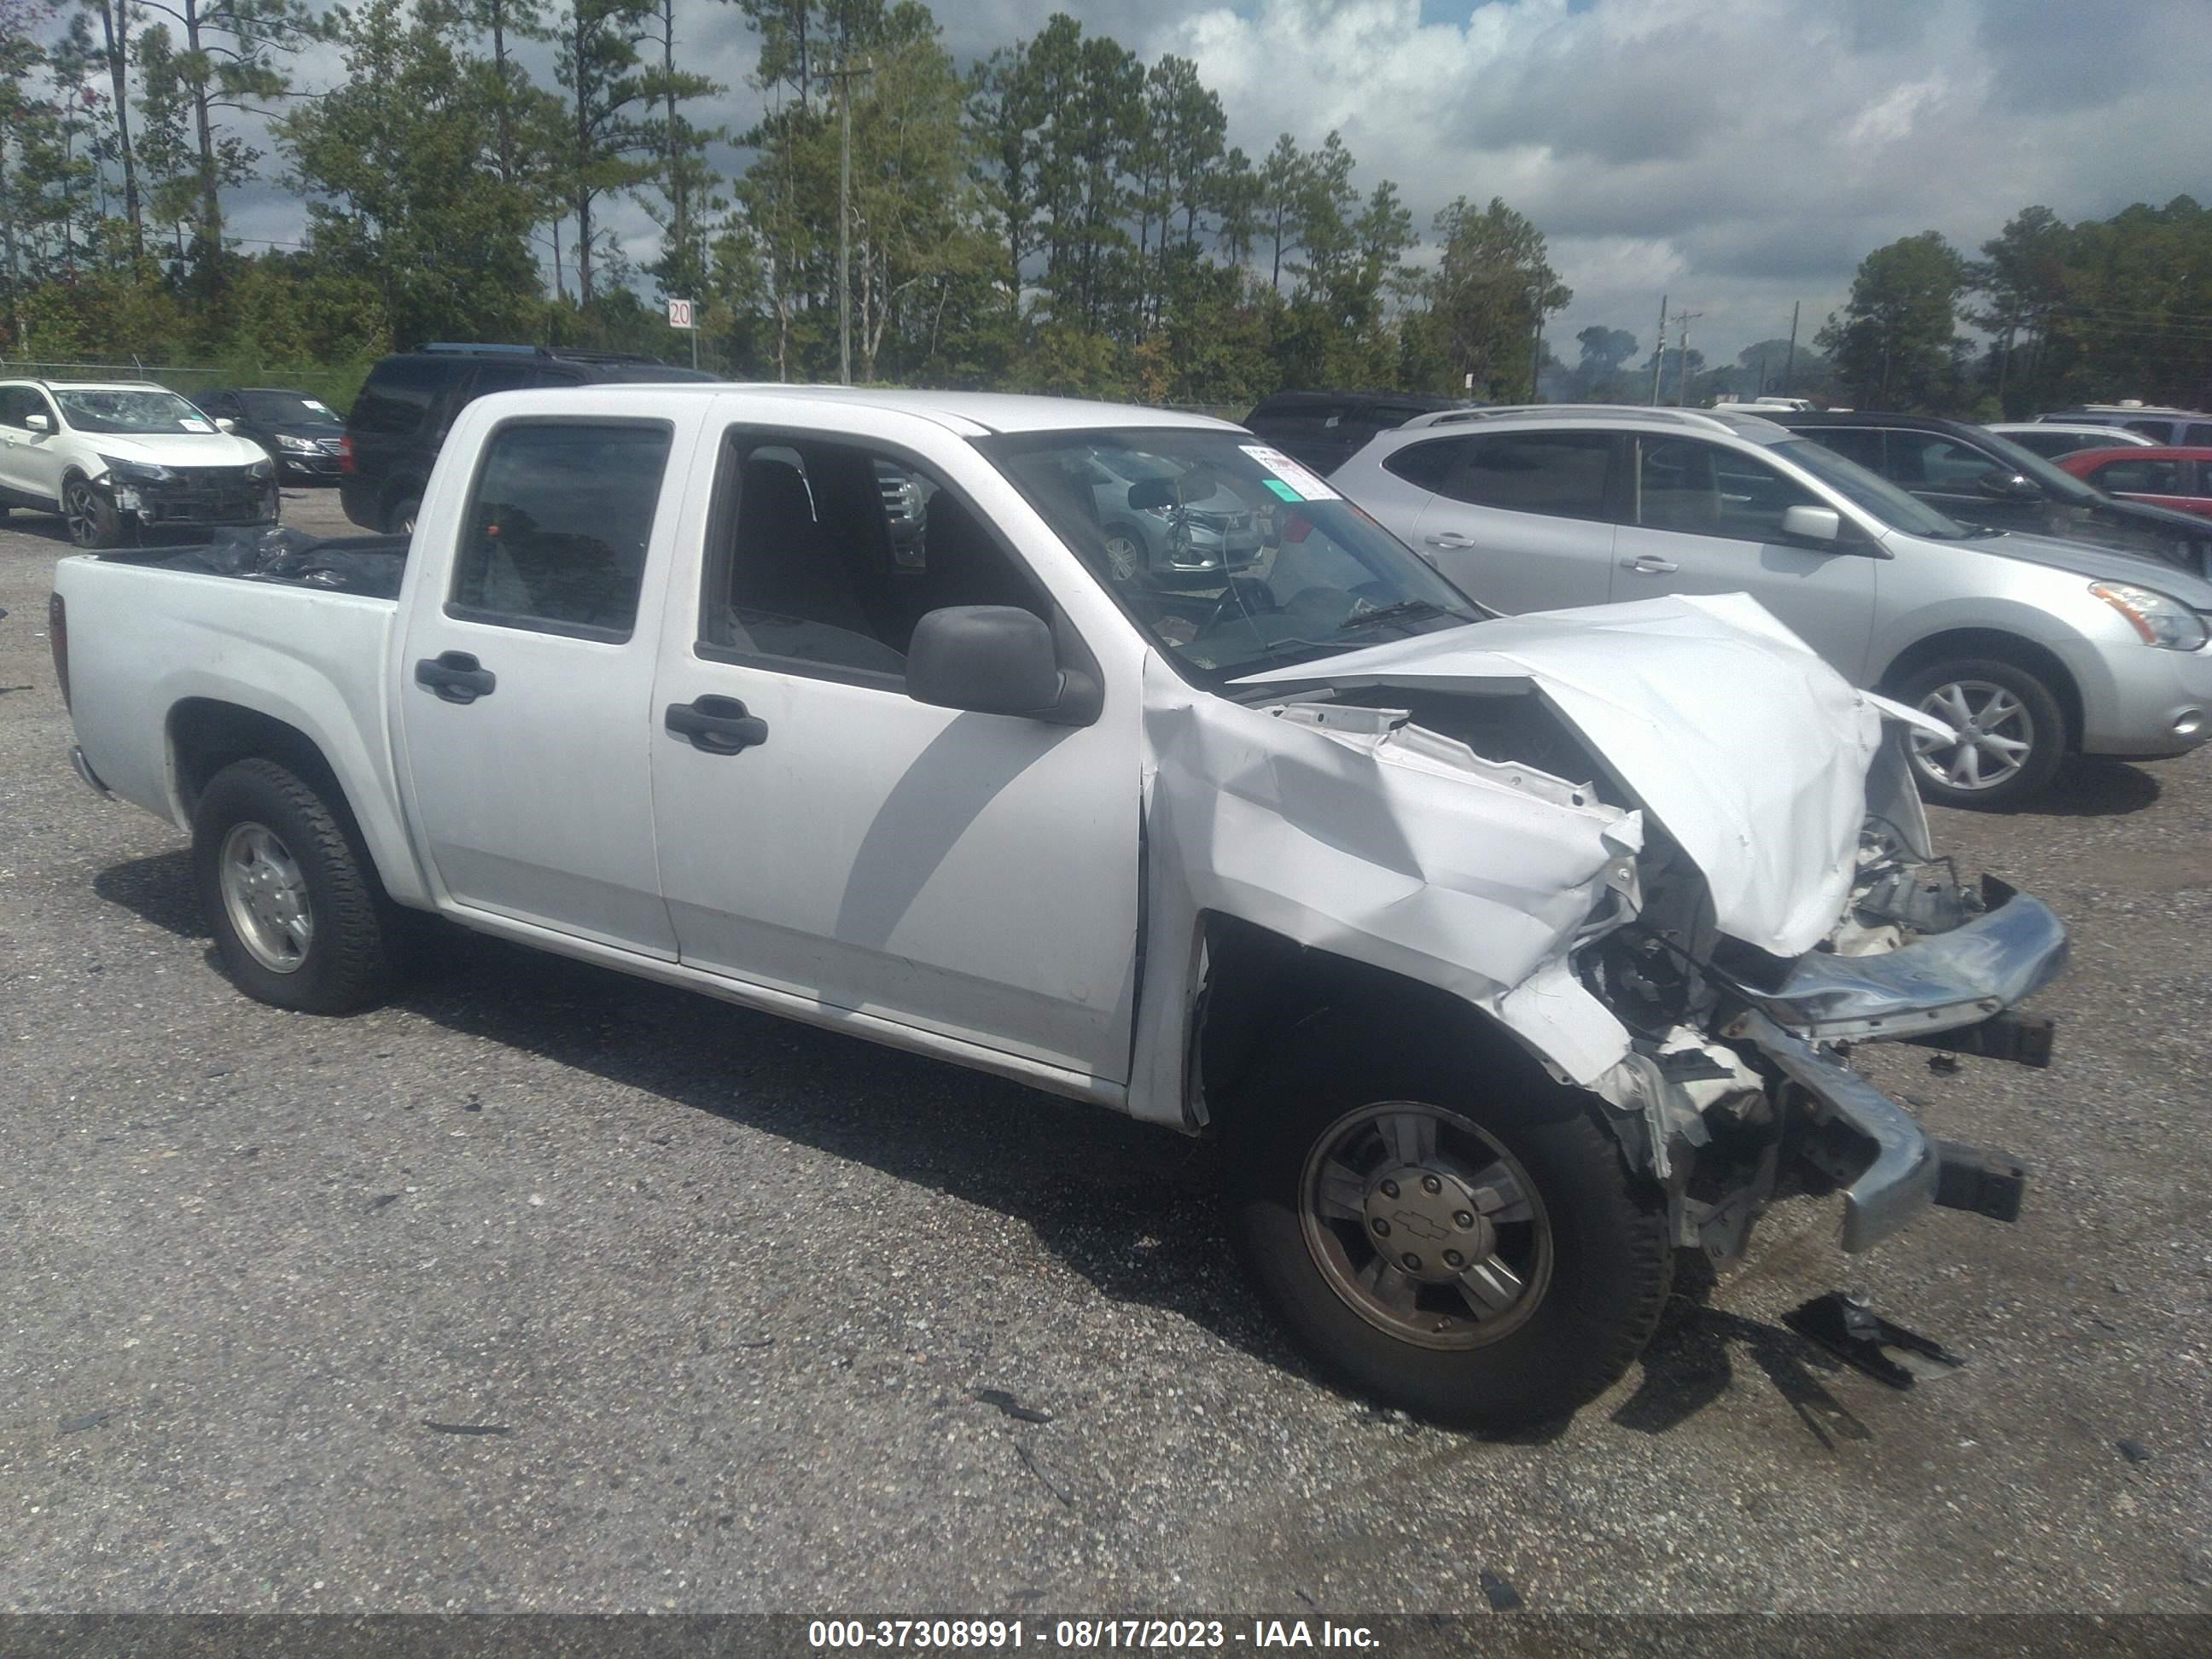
<point x="996" y="660"/>
<point x="1813" y="524"/>
<point x="2008" y="486"/>
<point x="224" y="424"/>
<point x="40" y="421"/>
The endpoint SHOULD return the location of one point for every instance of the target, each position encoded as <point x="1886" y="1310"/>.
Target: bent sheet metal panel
<point x="1381" y="854"/>
<point x="1751" y="750"/>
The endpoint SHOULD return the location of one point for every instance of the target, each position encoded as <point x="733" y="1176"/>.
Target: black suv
<point x="1325" y="429"/>
<point x="408" y="404"/>
<point x="1980" y="478"/>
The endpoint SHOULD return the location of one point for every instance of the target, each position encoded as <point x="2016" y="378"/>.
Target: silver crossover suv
<point x="2025" y="646"/>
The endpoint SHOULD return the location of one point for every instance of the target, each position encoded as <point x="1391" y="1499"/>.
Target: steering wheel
<point x="1242" y="596"/>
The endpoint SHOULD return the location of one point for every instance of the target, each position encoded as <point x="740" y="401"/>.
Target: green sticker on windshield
<point x="1282" y="489"/>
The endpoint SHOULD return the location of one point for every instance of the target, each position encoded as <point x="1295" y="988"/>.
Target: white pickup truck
<point x="1507" y="956"/>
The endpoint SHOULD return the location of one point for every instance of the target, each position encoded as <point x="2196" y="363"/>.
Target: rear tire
<point x="297" y="915"/>
<point x="401" y="520"/>
<point x="1526" y="1183"/>
<point x="1998" y="708"/>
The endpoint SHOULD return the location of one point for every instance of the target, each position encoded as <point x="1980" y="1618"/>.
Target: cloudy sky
<point x="1734" y="155"/>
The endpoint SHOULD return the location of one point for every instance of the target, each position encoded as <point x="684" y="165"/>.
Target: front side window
<point x="1231" y="556"/>
<point x="557" y="527"/>
<point x="2141" y="477"/>
<point x="1703" y="490"/>
<point x="19" y="403"/>
<point x="141" y="411"/>
<point x="824" y="555"/>
<point x="1924" y="458"/>
<point x="1870" y="492"/>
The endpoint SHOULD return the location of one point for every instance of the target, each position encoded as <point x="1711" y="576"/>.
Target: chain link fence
<point x="334" y="387"/>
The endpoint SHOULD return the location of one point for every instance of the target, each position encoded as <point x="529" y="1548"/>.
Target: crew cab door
<point x="524" y="680"/>
<point x="821" y="834"/>
<point x="1704" y="519"/>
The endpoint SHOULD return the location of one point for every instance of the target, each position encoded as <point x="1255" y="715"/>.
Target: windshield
<point x="1232" y="556"/>
<point x="1872" y="492"/>
<point x="133" y="410"/>
<point x="288" y="409"/>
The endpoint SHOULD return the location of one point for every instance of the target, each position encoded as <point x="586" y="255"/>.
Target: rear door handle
<point x="1650" y="564"/>
<point x="456" y="676"/>
<point x="1451" y="539"/>
<point x="716" y="726"/>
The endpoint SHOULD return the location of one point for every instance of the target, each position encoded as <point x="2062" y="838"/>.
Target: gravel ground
<point x="715" y="1297"/>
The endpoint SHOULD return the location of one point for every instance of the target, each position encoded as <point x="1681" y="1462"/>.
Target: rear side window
<point x="1862" y="445"/>
<point x="557" y="527"/>
<point x="2140" y="478"/>
<point x="2198" y="434"/>
<point x="1561" y="475"/>
<point x="398" y="394"/>
<point x="1934" y="461"/>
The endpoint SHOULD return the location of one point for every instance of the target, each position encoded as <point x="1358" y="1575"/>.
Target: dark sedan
<point x="302" y="434"/>
<point x="1976" y="476"/>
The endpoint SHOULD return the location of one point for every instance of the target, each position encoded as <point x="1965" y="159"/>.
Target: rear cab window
<point x="559" y="520"/>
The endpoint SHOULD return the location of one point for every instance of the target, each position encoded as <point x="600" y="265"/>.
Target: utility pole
<point x="1659" y="352"/>
<point x="1789" y="363"/>
<point x="844" y="75"/>
<point x="1682" y="370"/>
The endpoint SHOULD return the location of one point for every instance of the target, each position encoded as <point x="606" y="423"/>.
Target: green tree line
<point x="1061" y="216"/>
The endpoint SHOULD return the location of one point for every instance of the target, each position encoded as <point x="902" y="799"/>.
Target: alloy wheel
<point x="264" y="895"/>
<point x="1426" y="1225"/>
<point x="1996" y="735"/>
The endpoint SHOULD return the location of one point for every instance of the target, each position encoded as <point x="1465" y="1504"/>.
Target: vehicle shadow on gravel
<point x="2094" y="786"/>
<point x="1131" y="1206"/>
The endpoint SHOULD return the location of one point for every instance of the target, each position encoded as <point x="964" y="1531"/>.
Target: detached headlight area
<point x="2160" y="621"/>
<point x="142" y="472"/>
<point x="298" y="446"/>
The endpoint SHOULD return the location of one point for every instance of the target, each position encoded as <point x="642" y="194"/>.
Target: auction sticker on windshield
<point x="1307" y="486"/>
<point x="191" y="425"/>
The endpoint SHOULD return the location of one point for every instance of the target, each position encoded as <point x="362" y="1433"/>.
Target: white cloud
<point x="1736" y="155"/>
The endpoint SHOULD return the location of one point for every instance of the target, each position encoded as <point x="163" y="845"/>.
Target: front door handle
<point x="717" y="726"/>
<point x="1451" y="539"/>
<point x="1651" y="564"/>
<point x="456" y="676"/>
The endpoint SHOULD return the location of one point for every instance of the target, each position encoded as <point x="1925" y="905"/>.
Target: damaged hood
<point x="1750" y="751"/>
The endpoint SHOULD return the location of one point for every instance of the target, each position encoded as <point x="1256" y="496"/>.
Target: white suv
<point x="118" y="456"/>
<point x="2026" y="647"/>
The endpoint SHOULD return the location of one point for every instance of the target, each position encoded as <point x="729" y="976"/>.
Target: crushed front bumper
<point x="1944" y="983"/>
<point x="2014" y="948"/>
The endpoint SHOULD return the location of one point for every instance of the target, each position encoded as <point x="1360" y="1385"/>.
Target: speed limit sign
<point x="679" y="314"/>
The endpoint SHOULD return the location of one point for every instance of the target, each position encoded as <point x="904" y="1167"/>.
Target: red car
<point x="2178" y="479"/>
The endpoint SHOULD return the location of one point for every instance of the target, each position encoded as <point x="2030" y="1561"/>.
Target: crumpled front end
<point x="1742" y="887"/>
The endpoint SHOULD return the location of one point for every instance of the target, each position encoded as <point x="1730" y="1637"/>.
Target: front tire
<point x="1126" y="556"/>
<point x="297" y="916"/>
<point x="2012" y="734"/>
<point x="1464" y="1242"/>
<point x="91" y="518"/>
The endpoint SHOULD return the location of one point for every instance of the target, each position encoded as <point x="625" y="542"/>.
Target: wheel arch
<point x="206" y="734"/>
<point x="2000" y="646"/>
<point x="1260" y="984"/>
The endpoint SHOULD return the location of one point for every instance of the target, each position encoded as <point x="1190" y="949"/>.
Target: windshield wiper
<point x="1404" y="610"/>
